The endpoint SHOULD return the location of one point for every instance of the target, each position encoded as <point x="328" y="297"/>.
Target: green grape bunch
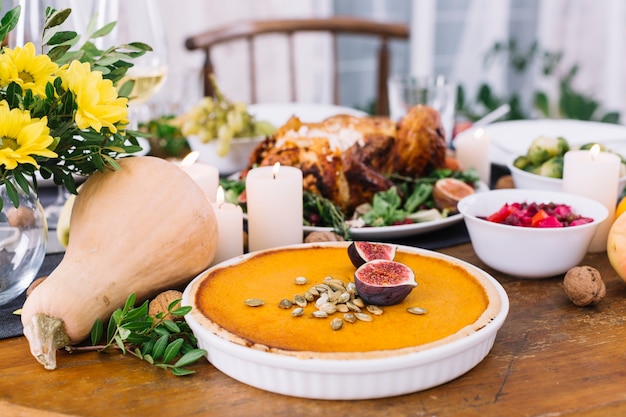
<point x="217" y="118"/>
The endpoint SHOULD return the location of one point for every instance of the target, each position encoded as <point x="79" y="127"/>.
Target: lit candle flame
<point x="479" y="133"/>
<point x="189" y="159"/>
<point x="275" y="170"/>
<point x="594" y="151"/>
<point x="219" y="198"/>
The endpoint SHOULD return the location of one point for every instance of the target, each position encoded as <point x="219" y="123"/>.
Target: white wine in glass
<point x="140" y="21"/>
<point x="147" y="82"/>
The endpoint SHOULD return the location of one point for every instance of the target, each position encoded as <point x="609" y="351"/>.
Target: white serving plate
<point x="350" y="379"/>
<point x="401" y="230"/>
<point x="394" y="232"/>
<point x="278" y="113"/>
<point x="512" y="138"/>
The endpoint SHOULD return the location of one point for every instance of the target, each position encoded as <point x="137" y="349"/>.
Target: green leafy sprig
<point x="80" y="151"/>
<point x="324" y="210"/>
<point x="163" y="343"/>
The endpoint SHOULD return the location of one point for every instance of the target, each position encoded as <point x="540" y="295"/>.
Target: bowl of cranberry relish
<point x="537" y="215"/>
<point x="531" y="233"/>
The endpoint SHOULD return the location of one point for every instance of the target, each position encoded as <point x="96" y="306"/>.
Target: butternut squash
<point x="140" y="229"/>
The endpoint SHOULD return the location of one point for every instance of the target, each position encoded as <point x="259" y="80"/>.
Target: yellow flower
<point x="96" y="98"/>
<point x="21" y="137"/>
<point x="26" y="68"/>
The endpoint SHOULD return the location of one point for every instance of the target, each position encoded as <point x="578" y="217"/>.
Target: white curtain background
<point x="589" y="33"/>
<point x="184" y="18"/>
<point x="481" y="31"/>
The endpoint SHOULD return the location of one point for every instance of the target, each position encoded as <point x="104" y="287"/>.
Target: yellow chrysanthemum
<point x="96" y="98"/>
<point x="21" y="137"/>
<point x="25" y="67"/>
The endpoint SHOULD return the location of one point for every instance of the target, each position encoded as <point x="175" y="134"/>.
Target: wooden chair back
<point x="249" y="30"/>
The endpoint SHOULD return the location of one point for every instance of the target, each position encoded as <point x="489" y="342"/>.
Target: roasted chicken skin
<point x="347" y="159"/>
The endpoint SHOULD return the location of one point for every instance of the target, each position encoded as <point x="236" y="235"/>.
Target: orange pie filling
<point x="457" y="303"/>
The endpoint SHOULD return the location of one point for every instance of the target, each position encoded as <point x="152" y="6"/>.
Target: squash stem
<point x="45" y="335"/>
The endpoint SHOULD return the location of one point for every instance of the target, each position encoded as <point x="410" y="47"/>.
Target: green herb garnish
<point x="324" y="212"/>
<point x="163" y="343"/>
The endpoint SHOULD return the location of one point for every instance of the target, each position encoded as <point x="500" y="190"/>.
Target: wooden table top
<point x="549" y="358"/>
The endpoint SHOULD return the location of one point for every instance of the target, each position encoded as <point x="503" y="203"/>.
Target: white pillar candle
<point x="594" y="174"/>
<point x="206" y="176"/>
<point x="274" y="202"/>
<point x="229" y="228"/>
<point x="472" y="151"/>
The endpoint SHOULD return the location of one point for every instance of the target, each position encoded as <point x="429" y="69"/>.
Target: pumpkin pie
<point x="240" y="301"/>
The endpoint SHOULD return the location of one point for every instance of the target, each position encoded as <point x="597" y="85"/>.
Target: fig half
<point x="447" y="192"/>
<point x="362" y="252"/>
<point x="383" y="283"/>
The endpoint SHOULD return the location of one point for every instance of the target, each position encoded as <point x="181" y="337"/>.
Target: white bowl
<point x="528" y="180"/>
<point x="345" y="379"/>
<point x="236" y="159"/>
<point x="528" y="252"/>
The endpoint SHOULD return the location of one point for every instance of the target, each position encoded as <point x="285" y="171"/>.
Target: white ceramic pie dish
<point x="337" y="379"/>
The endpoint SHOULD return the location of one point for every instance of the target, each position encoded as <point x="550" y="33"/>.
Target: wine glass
<point x="28" y="29"/>
<point x="141" y="21"/>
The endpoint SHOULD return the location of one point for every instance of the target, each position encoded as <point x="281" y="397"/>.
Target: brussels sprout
<point x="546" y="147"/>
<point x="521" y="162"/>
<point x="603" y="148"/>
<point x="552" y="168"/>
<point x="588" y="146"/>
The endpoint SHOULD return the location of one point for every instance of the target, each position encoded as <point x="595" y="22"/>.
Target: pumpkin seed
<point x="337" y="285"/>
<point x="375" y="310"/>
<point x="320" y="314"/>
<point x="297" y="312"/>
<point x="323" y="299"/>
<point x="254" y="302"/>
<point x="300" y="280"/>
<point x="416" y="310"/>
<point x="300" y="300"/>
<point x="336" y="323"/>
<point x="322" y="288"/>
<point x="328" y="308"/>
<point x="286" y="304"/>
<point x="358" y="302"/>
<point x="334" y="296"/>
<point x="353" y="307"/>
<point x="349" y="317"/>
<point x="344" y="297"/>
<point x="363" y="316"/>
<point x="342" y="308"/>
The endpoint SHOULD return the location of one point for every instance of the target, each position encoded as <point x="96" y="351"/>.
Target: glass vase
<point x="23" y="239"/>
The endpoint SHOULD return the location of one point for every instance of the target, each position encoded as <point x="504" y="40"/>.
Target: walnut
<point x="323" y="237"/>
<point x="504" y="182"/>
<point x="160" y="303"/>
<point x="584" y="286"/>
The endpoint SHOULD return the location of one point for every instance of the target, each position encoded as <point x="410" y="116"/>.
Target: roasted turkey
<point x="347" y="159"/>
